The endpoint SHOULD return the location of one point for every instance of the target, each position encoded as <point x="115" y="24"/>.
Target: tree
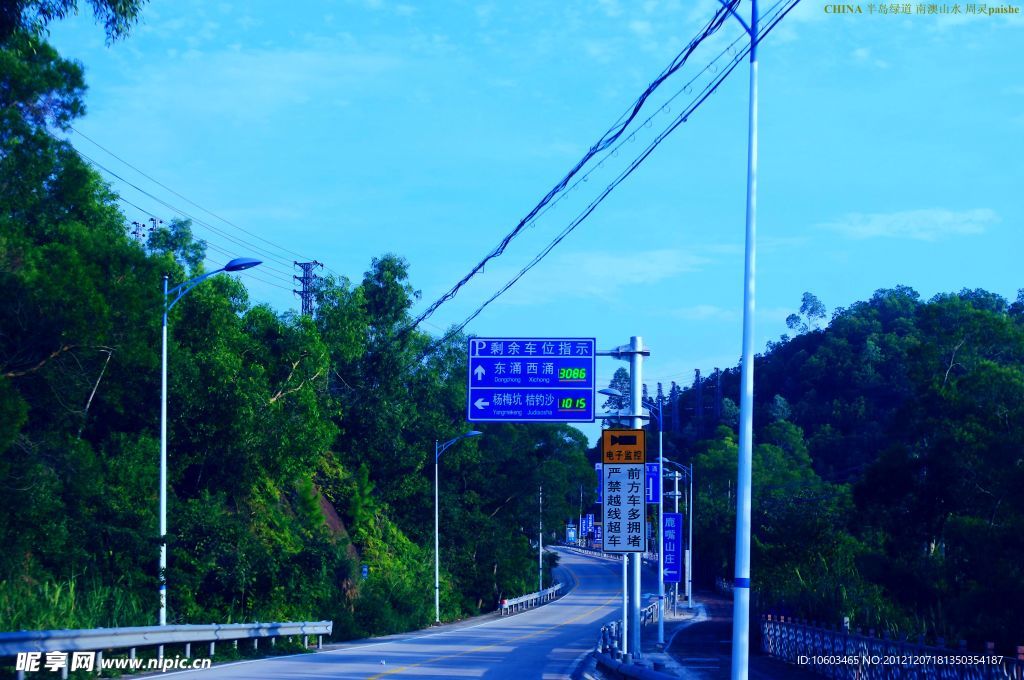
<point x="620" y="382"/>
<point x="812" y="311"/>
<point x="33" y="16"/>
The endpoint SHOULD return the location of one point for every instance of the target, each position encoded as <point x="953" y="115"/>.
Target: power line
<point x="196" y="220"/>
<point x="184" y="198"/>
<point x="767" y="26"/>
<point x="606" y="140"/>
<point x="210" y="261"/>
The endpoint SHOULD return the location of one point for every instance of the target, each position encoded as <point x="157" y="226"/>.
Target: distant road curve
<point x="540" y="643"/>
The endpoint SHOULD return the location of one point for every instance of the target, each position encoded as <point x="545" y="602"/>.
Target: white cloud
<point x="641" y="28"/>
<point x="610" y="7"/>
<point x="601" y="275"/>
<point x="922" y="225"/>
<point x="704" y="313"/>
<point x="863" y="55"/>
<point x="248" y="86"/>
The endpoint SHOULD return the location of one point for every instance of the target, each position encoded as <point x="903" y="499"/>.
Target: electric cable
<point x="195" y="220"/>
<point x="606" y="140"/>
<point x="769" y="23"/>
<point x="186" y="199"/>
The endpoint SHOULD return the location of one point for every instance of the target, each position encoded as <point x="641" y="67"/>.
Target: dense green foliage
<point x="300" y="447"/>
<point x="888" y="466"/>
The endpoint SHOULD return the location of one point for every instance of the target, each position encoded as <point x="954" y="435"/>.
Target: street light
<point x="179" y="291"/>
<point x="438" y="450"/>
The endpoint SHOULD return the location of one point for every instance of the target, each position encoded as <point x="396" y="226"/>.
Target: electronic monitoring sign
<point x="545" y="380"/>
<point x="623" y="453"/>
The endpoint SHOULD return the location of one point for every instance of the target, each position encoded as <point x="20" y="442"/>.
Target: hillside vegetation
<point x="301" y="447"/>
<point x="888" y="466"/>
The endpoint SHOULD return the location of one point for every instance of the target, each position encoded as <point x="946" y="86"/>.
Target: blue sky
<point x="890" y="152"/>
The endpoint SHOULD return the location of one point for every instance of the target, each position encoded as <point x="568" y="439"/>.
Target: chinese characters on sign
<point x="531" y="380"/>
<point x="623" y="454"/>
<point x="652" y="485"/>
<point x="672" y="531"/>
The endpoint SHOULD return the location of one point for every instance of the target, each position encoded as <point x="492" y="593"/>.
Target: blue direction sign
<point x="652" y="487"/>
<point x="672" y="542"/>
<point x="531" y="380"/>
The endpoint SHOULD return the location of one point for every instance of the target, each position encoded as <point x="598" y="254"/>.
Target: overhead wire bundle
<point x="272" y="253"/>
<point x="770" y="19"/>
<point x="610" y="137"/>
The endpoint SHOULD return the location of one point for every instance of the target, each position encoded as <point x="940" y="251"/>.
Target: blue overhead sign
<point x="531" y="380"/>
<point x="652" y="487"/>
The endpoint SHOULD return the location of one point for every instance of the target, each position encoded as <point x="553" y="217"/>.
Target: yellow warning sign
<point x="623" y="446"/>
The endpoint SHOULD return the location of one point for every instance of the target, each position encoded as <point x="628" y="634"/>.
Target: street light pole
<point x="179" y="291"/>
<point x="437" y="549"/>
<point x="689" y="544"/>
<point x="163" y="465"/>
<point x="741" y="584"/>
<point x="636" y="359"/>
<point x="439" y="449"/>
<point x="540" y="541"/>
<point x="651" y="406"/>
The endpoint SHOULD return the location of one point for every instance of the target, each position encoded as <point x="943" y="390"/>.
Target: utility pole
<point x="307" y="279"/>
<point x="579" y="526"/>
<point x="636" y="358"/>
<point x="698" y="407"/>
<point x="540" y="542"/>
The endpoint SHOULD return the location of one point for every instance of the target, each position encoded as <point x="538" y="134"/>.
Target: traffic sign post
<point x="623" y="454"/>
<point x="531" y="380"/>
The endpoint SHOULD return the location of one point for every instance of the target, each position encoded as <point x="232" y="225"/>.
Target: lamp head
<point x="472" y="433"/>
<point x="610" y="392"/>
<point x="240" y="263"/>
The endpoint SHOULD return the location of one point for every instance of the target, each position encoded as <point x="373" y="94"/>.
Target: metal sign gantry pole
<point x="636" y="390"/>
<point x="634" y="353"/>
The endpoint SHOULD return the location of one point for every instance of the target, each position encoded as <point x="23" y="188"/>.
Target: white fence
<point x="531" y="600"/>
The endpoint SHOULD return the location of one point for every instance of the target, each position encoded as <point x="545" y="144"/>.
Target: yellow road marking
<point x="503" y="642"/>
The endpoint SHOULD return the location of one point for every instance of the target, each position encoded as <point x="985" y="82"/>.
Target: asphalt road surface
<point x="703" y="649"/>
<point x="546" y="642"/>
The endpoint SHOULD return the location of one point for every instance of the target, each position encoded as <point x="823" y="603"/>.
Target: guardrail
<point x="593" y="552"/>
<point x="102" y="639"/>
<point x="609" y="640"/>
<point x="527" y="601"/>
<point x="837" y="653"/>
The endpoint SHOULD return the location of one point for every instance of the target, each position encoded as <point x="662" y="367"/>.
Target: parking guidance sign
<point x="531" y="380"/>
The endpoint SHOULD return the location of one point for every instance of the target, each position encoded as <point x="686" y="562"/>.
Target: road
<point x="703" y="650"/>
<point x="546" y="642"/>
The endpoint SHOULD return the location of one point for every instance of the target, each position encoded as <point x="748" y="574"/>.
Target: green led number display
<point x="570" y="403"/>
<point x="572" y="374"/>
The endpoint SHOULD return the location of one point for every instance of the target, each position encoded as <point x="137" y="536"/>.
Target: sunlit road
<point x="540" y="643"/>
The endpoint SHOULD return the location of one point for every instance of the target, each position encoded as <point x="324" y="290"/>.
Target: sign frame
<point x="673" y="547"/>
<point x="623" y="454"/>
<point x="532" y="397"/>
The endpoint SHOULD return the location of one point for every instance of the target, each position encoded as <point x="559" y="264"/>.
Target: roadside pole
<point x="636" y="346"/>
<point x="661" y="530"/>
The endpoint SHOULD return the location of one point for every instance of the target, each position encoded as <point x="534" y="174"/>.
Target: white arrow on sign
<point x="480" y="403"/>
<point x="479" y="372"/>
